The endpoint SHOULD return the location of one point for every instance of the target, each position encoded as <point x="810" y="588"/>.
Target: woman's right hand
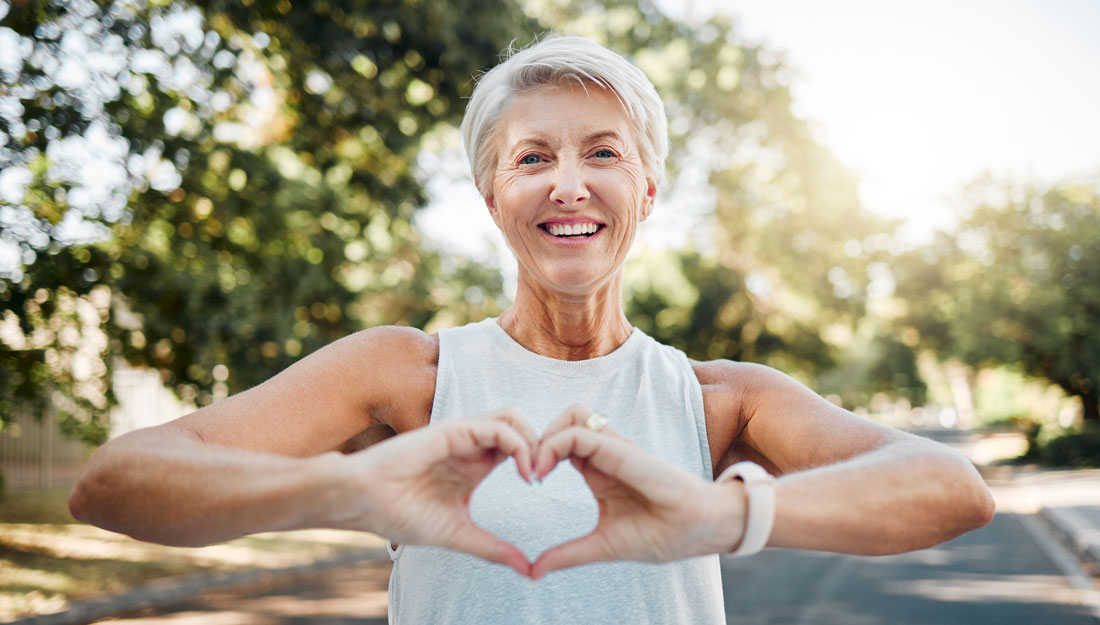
<point x="415" y="488"/>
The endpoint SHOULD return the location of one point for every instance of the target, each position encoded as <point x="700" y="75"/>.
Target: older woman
<point x="567" y="142"/>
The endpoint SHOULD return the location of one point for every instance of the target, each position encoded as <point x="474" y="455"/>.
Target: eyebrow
<point x="541" y="141"/>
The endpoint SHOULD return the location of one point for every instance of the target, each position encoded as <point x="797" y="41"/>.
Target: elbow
<point x="983" y="508"/>
<point x="972" y="500"/>
<point x="82" y="498"/>
<point x="78" y="503"/>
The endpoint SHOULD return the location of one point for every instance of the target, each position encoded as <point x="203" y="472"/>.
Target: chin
<point x="574" y="280"/>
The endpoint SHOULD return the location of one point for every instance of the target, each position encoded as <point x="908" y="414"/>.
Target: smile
<point x="572" y="231"/>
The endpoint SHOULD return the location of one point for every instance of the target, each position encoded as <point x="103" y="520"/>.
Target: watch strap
<point x="760" y="517"/>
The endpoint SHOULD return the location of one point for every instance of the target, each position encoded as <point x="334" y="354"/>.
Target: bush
<point x="1075" y="448"/>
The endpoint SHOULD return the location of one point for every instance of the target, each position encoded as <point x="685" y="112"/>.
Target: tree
<point x="256" y="196"/>
<point x="782" y="245"/>
<point x="1017" y="282"/>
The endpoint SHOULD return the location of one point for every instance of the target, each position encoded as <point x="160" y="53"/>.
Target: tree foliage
<point x="256" y="195"/>
<point x="1017" y="283"/>
<point x="217" y="188"/>
<point x="783" y="247"/>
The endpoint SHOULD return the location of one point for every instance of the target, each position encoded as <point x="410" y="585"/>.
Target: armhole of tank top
<point x="394" y="551"/>
<point x="694" y="397"/>
<point x="442" y="368"/>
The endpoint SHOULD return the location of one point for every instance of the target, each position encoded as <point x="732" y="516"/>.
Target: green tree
<point x="1017" y="282"/>
<point x="257" y="198"/>
<point x="782" y="247"/>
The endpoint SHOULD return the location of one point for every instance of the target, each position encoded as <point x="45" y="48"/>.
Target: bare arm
<point x="257" y="461"/>
<point x="847" y="484"/>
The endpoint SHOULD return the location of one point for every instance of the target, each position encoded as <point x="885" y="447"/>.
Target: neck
<point x="567" y="326"/>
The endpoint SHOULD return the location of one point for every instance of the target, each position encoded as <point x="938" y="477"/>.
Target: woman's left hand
<point x="649" y="510"/>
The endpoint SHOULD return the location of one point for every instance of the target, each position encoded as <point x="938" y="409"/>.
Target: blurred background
<point x="897" y="203"/>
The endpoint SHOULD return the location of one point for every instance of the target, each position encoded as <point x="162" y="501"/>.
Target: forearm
<point x="165" y="486"/>
<point x="907" y="495"/>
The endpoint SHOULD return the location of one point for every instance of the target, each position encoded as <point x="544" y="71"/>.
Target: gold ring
<point x="595" y="422"/>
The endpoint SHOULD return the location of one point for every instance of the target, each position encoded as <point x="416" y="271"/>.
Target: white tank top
<point x="649" y="393"/>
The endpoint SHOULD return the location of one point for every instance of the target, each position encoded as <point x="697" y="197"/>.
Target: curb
<point x="1078" y="532"/>
<point x="165" y="592"/>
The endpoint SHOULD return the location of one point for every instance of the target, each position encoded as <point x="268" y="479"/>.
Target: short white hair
<point x="555" y="61"/>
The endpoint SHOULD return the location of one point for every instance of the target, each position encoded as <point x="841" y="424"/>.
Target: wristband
<point x="760" y="489"/>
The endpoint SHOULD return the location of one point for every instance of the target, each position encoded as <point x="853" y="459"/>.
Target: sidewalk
<point x="172" y="591"/>
<point x="1069" y="502"/>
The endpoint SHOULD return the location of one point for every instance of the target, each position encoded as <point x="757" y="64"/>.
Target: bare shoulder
<point x="348" y="394"/>
<point x="729" y="387"/>
<point x="774" y="417"/>
<point x="724" y="384"/>
<point x="401" y="364"/>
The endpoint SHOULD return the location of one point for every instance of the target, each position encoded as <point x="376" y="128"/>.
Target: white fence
<point x="35" y="454"/>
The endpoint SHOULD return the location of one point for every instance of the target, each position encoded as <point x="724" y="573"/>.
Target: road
<point x="998" y="575"/>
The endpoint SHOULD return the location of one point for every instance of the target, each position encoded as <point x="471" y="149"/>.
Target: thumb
<point x="584" y="550"/>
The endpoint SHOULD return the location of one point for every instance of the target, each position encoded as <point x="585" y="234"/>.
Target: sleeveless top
<point x="649" y="393"/>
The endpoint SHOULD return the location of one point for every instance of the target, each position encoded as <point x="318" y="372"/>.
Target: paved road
<point x="998" y="575"/>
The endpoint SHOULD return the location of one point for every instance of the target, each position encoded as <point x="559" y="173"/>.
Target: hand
<point x="418" y="484"/>
<point x="650" y="511"/>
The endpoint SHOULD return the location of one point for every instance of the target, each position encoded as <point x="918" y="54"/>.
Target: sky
<point x="918" y="98"/>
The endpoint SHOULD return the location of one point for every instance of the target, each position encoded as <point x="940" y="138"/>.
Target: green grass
<point x="47" y="506"/>
<point x="47" y="558"/>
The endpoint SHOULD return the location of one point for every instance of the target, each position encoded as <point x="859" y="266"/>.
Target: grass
<point x="48" y="559"/>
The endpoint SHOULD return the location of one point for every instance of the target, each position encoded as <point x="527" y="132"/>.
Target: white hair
<point x="554" y="61"/>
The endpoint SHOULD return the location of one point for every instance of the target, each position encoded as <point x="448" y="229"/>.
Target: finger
<point x="512" y="416"/>
<point x="584" y="550"/>
<point x="572" y="442"/>
<point x="577" y="414"/>
<point x="483" y="544"/>
<point x="550" y="458"/>
<point x="612" y="455"/>
<point x="475" y="437"/>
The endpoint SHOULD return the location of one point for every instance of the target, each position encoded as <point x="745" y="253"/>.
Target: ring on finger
<point x="595" y="422"/>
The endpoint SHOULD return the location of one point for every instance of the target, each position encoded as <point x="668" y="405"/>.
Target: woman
<point x="567" y="142"/>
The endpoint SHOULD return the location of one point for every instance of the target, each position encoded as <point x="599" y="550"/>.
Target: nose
<point x="569" y="188"/>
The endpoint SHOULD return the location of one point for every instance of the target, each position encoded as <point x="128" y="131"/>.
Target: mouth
<point x="581" y="230"/>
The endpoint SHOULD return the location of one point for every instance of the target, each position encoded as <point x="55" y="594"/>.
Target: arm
<point x="845" y="483"/>
<point x="262" y="460"/>
<point x="254" y="462"/>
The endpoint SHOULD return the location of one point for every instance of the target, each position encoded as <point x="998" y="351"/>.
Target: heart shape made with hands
<point x="534" y="516"/>
<point x="620" y="503"/>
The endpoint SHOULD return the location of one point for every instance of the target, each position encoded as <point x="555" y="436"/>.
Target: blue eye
<point x="605" y="153"/>
<point x="530" y="159"/>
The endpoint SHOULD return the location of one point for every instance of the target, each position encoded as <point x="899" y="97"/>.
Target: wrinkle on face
<point x="554" y="139"/>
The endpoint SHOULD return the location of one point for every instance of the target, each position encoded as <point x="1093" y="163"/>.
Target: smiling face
<point x="570" y="187"/>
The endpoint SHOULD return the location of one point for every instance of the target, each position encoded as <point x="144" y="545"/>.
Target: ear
<point x="491" y="204"/>
<point x="650" y="197"/>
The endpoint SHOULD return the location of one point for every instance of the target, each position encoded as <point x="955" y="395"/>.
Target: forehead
<point x="562" y="115"/>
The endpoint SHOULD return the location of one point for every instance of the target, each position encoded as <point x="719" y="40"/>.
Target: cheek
<point x="629" y="185"/>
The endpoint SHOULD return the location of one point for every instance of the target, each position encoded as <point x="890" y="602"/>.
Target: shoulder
<point x="731" y="392"/>
<point x="745" y="384"/>
<point x="729" y="375"/>
<point x="732" y="373"/>
<point x="402" y="363"/>
<point x="399" y="343"/>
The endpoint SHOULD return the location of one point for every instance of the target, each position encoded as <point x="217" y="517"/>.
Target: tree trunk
<point x="1091" y="403"/>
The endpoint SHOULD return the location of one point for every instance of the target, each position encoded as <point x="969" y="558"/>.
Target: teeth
<point x="563" y="230"/>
